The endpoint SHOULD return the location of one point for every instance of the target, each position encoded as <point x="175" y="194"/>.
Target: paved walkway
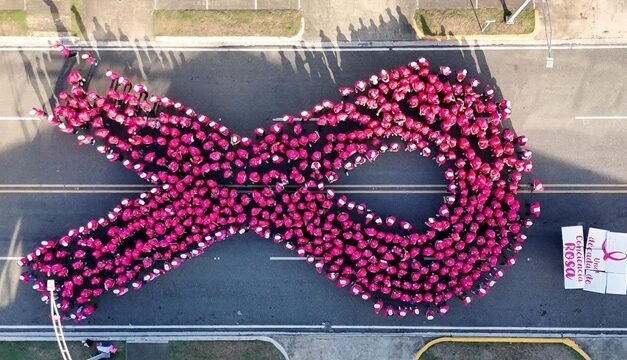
<point x="589" y="19"/>
<point x="404" y="347"/>
<point x="325" y="20"/>
<point x="146" y="351"/>
<point x="352" y="20"/>
<point x="116" y="20"/>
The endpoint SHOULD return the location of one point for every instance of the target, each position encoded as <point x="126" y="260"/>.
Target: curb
<point x="464" y="38"/>
<point x="568" y="342"/>
<point x="25" y="43"/>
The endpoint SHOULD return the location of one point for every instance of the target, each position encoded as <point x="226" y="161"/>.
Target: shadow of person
<point x="353" y="33"/>
<point x="393" y="22"/>
<point x="330" y="56"/>
<point x="99" y="31"/>
<point x="58" y="23"/>
<point x="426" y="30"/>
<point x="79" y="22"/>
<point x="109" y="34"/>
<point x="324" y="38"/>
<point x="403" y="22"/>
<point x="339" y="36"/>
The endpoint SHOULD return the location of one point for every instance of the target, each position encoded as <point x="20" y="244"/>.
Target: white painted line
<point x="510" y="47"/>
<point x="75" y="185"/>
<point x="315" y="47"/>
<point x="287" y="258"/>
<point x="585" y="185"/>
<point x="259" y="335"/>
<point x="162" y="327"/>
<point x="9" y="258"/>
<point x="339" y="191"/>
<point x="344" y="189"/>
<point x="69" y="191"/>
<point x="19" y="118"/>
<point x="476" y="328"/>
<point x="338" y="327"/>
<point x="556" y="185"/>
<point x="600" y="117"/>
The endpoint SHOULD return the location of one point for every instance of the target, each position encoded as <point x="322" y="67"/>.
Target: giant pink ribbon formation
<point x="190" y="159"/>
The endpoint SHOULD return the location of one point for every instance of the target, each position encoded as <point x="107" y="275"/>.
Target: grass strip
<point x="226" y="22"/>
<point x="45" y="350"/>
<point x="442" y="22"/>
<point x="499" y="351"/>
<point x="223" y="350"/>
<point x="13" y="23"/>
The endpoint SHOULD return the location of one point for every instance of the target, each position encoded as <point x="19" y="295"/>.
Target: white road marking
<point x="9" y="258"/>
<point x="344" y="189"/>
<point x="19" y="118"/>
<point x="556" y="185"/>
<point x="313" y="327"/>
<point x="287" y="258"/>
<point x="317" y="47"/>
<point x="69" y="191"/>
<point x="162" y="327"/>
<point x="600" y="117"/>
<point x="73" y="185"/>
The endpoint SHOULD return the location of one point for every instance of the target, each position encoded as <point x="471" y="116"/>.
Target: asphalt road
<point x="236" y="283"/>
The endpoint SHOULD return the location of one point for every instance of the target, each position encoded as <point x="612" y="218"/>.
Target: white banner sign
<point x="573" y="257"/>
<point x="594" y="249"/>
<point x="595" y="281"/>
<point x="616" y="284"/>
<point x="615" y="253"/>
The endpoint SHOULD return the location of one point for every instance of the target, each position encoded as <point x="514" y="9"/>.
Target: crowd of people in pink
<point x="191" y="160"/>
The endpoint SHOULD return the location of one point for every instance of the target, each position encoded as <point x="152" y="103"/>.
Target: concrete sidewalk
<point x="404" y="347"/>
<point x="326" y="21"/>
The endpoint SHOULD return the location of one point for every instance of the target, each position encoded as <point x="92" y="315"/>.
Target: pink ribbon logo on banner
<point x="613" y="255"/>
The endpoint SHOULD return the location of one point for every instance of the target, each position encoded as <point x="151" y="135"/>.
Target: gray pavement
<point x="350" y="20"/>
<point x="404" y="347"/>
<point x="235" y="287"/>
<point x="325" y="20"/>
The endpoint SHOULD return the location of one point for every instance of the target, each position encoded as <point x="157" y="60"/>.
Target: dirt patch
<point x="499" y="351"/>
<point x="13" y="23"/>
<point x="442" y="22"/>
<point x="45" y="350"/>
<point x="223" y="350"/>
<point x="227" y="22"/>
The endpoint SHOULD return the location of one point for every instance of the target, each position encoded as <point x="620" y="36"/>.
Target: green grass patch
<point x="226" y="22"/>
<point x="45" y="350"/>
<point x="223" y="350"/>
<point x="442" y="22"/>
<point x="499" y="351"/>
<point x="13" y="23"/>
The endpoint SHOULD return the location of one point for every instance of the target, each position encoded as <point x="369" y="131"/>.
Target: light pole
<point x="56" y="322"/>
